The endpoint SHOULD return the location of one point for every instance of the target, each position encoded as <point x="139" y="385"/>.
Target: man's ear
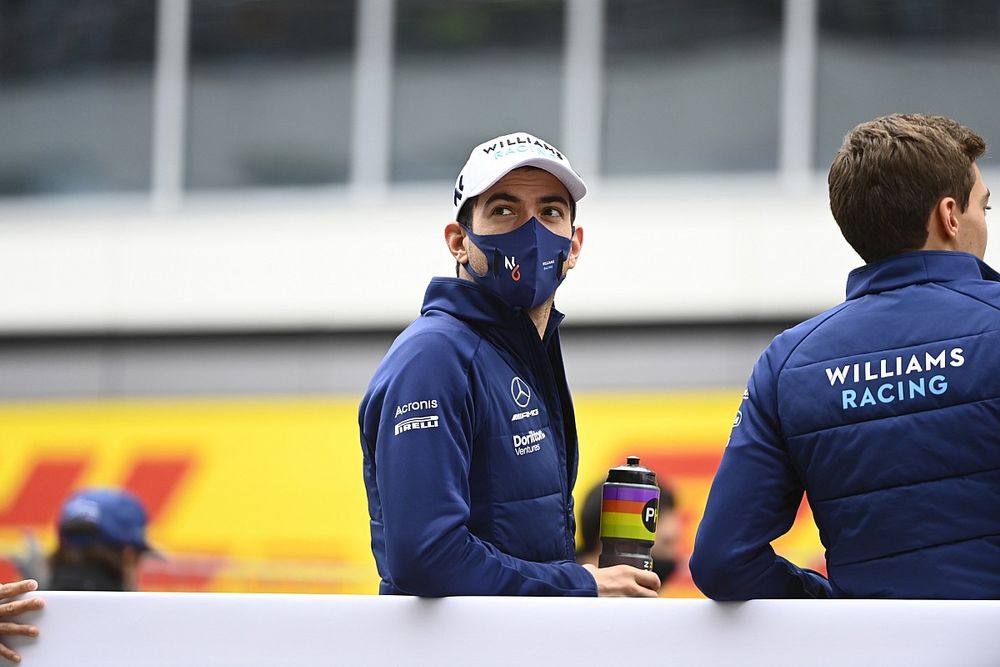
<point x="943" y="225"/>
<point x="454" y="236"/>
<point x="574" y="248"/>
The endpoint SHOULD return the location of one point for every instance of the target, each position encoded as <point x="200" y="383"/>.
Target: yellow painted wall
<point x="266" y="494"/>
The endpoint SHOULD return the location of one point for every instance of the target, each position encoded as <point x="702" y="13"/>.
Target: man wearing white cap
<point x="467" y="427"/>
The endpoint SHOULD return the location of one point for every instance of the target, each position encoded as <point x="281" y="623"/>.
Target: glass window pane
<point x="692" y="86"/>
<point x="885" y="56"/>
<point x="468" y="71"/>
<point x="270" y="92"/>
<point x="76" y="107"/>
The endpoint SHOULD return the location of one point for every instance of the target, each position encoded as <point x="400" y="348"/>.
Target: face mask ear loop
<point x="468" y="265"/>
<point x="562" y="255"/>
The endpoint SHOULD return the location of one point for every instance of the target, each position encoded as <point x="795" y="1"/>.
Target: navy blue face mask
<point x="524" y="266"/>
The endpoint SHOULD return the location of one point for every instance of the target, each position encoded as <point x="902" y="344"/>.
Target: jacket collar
<point x="467" y="301"/>
<point x="912" y="268"/>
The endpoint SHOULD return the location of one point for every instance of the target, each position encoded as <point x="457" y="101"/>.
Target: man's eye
<point x="552" y="212"/>
<point x="503" y="210"/>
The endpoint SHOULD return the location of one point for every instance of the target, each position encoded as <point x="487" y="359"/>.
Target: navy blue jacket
<point x="886" y="411"/>
<point x="470" y="453"/>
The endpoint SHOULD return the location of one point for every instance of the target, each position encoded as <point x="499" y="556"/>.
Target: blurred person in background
<point x="10" y="609"/>
<point x="102" y="539"/>
<point x="664" y="551"/>
<point x="884" y="409"/>
<point x="467" y="428"/>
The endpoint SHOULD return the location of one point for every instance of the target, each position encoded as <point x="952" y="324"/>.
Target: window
<point x="76" y="108"/>
<point x="691" y="86"/>
<point x="270" y="92"/>
<point x="469" y="71"/>
<point x="886" y="56"/>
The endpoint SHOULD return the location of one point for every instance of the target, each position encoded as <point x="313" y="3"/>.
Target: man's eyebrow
<point x="507" y="196"/>
<point x="554" y="199"/>
<point x="502" y="196"/>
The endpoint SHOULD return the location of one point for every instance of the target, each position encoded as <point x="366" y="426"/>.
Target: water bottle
<point x="628" y="516"/>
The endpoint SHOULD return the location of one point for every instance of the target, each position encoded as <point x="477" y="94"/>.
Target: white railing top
<point x="176" y="629"/>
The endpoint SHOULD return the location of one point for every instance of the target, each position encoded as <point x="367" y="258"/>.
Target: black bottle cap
<point x="632" y="473"/>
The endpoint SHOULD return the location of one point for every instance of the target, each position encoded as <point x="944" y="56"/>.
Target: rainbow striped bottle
<point x="628" y="516"/>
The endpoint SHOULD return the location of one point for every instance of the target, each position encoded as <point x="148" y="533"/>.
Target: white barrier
<point x="118" y="629"/>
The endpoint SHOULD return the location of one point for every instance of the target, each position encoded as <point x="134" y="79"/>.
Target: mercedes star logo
<point x="520" y="391"/>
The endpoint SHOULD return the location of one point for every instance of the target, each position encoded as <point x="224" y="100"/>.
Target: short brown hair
<point x="891" y="172"/>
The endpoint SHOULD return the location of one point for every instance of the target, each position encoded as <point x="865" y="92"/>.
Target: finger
<point x="20" y="606"/>
<point x="9" y="654"/>
<point x="16" y="588"/>
<point x="643" y="586"/>
<point x="648" y="580"/>
<point x="18" y="629"/>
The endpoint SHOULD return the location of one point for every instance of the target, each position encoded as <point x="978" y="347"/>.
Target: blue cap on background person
<point x="110" y="516"/>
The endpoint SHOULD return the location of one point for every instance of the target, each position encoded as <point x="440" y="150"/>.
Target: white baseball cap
<point x="492" y="160"/>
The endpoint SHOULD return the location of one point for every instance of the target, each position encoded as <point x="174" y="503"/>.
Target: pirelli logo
<point x="414" y="423"/>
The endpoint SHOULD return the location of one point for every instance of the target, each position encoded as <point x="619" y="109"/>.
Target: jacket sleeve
<point x="754" y="498"/>
<point x="422" y="472"/>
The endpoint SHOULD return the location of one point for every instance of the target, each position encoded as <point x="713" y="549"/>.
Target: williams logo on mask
<point x="515" y="270"/>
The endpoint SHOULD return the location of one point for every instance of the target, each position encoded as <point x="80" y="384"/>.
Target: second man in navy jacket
<point x="885" y="410"/>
